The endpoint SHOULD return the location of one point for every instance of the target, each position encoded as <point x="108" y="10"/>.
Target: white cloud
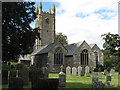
<point x="90" y="27"/>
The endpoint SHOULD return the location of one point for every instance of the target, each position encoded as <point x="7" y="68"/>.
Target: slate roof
<point x="73" y="47"/>
<point x="45" y="49"/>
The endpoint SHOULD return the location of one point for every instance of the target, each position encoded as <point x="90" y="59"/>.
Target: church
<point x="51" y="54"/>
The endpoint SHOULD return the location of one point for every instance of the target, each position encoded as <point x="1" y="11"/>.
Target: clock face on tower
<point x="47" y="20"/>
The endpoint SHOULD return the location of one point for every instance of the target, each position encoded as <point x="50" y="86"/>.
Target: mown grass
<point x="85" y="82"/>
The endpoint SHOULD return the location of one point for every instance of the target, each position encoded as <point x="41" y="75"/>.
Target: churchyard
<point x="22" y="76"/>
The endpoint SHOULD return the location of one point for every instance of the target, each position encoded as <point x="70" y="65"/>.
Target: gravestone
<point x="68" y="70"/>
<point x="105" y="72"/>
<point x="83" y="71"/>
<point x="108" y="80"/>
<point x="62" y="78"/>
<point x="24" y="73"/>
<point x="87" y="71"/>
<point x="94" y="77"/>
<point x="112" y="71"/>
<point x="45" y="72"/>
<point x="74" y="71"/>
<point x="79" y="70"/>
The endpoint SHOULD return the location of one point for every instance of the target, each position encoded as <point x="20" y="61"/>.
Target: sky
<point x="84" y="19"/>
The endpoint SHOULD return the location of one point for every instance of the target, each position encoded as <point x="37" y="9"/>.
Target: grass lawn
<point x="79" y="82"/>
<point x="84" y="82"/>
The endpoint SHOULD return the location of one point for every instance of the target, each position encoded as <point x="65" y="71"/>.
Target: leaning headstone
<point x="87" y="71"/>
<point x="62" y="78"/>
<point x="112" y="71"/>
<point x="74" y="71"/>
<point x="68" y="70"/>
<point x="79" y="70"/>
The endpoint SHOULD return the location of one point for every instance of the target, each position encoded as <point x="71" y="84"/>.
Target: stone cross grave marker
<point x="61" y="72"/>
<point x="74" y="71"/>
<point x="68" y="70"/>
<point x="79" y="70"/>
<point x="87" y="70"/>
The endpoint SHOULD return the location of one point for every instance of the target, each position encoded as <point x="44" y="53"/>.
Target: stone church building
<point x="48" y="53"/>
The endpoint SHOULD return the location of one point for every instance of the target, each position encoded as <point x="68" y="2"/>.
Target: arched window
<point x="84" y="57"/>
<point x="58" y="56"/>
<point x="96" y="58"/>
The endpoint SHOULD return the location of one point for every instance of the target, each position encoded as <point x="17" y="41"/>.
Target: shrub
<point x="16" y="83"/>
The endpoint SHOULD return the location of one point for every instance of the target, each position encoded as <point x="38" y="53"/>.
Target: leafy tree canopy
<point x="112" y="43"/>
<point x="61" y="38"/>
<point x="17" y="35"/>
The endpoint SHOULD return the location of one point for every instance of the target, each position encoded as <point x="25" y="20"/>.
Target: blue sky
<point x="84" y="19"/>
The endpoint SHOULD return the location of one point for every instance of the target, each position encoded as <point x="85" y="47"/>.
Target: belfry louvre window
<point x="84" y="57"/>
<point x="58" y="56"/>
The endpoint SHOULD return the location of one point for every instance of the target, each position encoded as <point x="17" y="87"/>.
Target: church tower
<point x="45" y="21"/>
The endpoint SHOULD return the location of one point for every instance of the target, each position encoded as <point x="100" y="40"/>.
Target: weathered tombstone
<point x="79" y="70"/>
<point x="94" y="77"/>
<point x="68" y="70"/>
<point x="112" y="71"/>
<point x="108" y="80"/>
<point x="62" y="78"/>
<point x="74" y="71"/>
<point x="105" y="72"/>
<point x="87" y="71"/>
<point x="45" y="72"/>
<point x="24" y="73"/>
<point x="83" y="71"/>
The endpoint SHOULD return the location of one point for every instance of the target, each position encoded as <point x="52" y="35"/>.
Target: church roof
<point x="73" y="47"/>
<point x="45" y="49"/>
<point x="92" y="45"/>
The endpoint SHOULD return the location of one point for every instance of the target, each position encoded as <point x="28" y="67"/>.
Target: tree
<point x="61" y="38"/>
<point x="112" y="44"/>
<point x="111" y="50"/>
<point x="17" y="35"/>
